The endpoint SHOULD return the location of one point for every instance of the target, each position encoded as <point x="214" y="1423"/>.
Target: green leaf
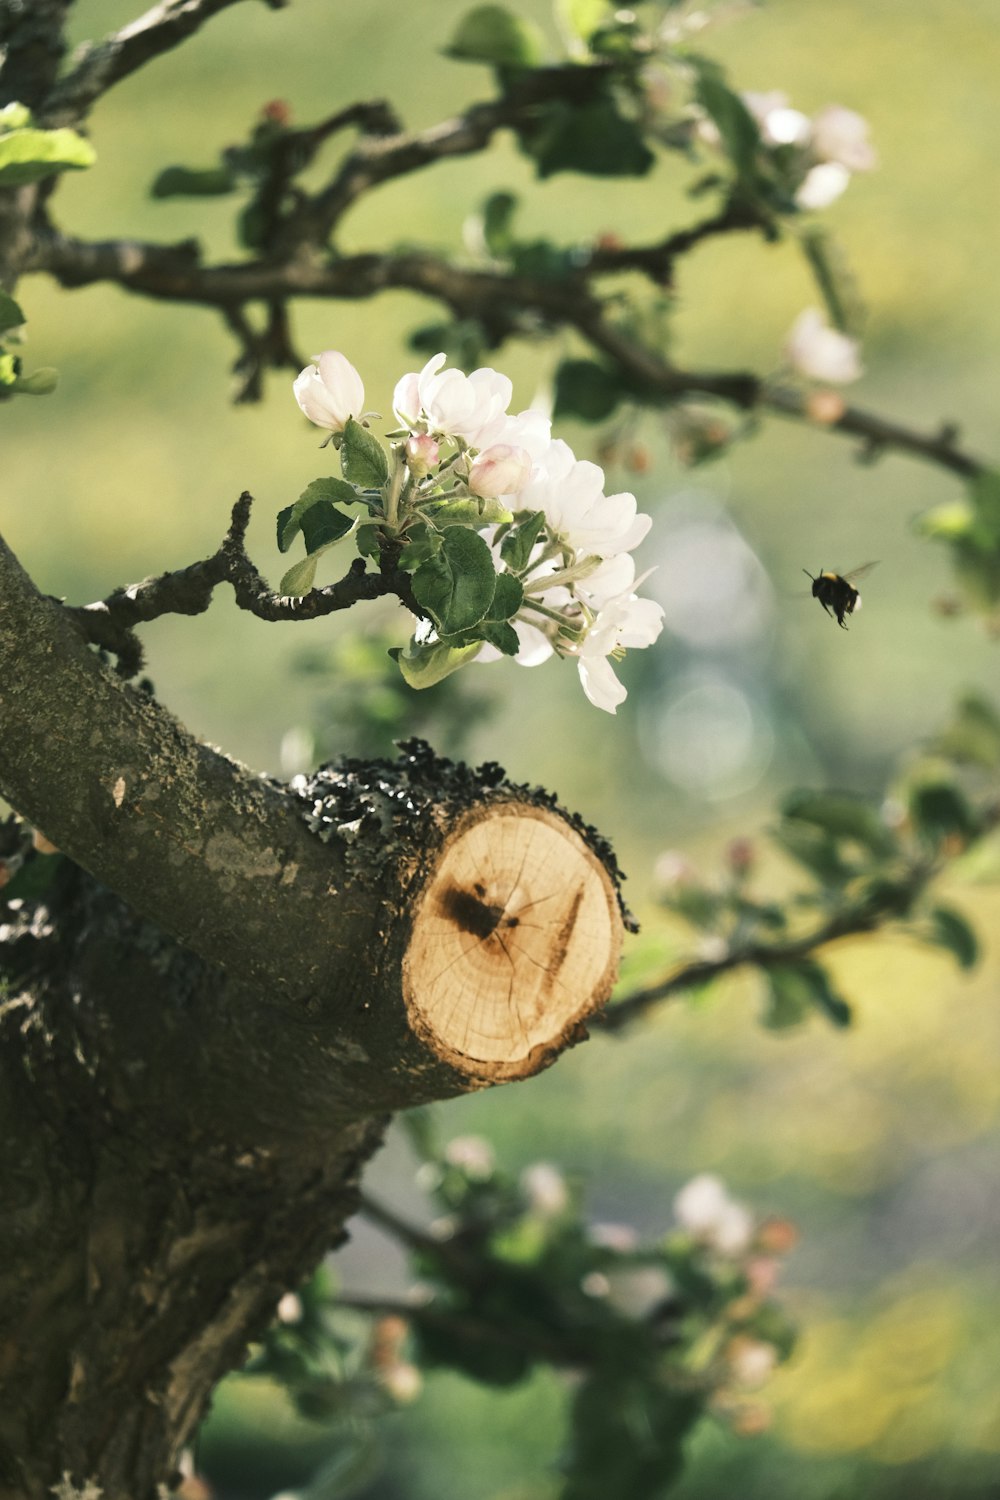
<point x="950" y="930"/>
<point x="41" y="382"/>
<point x="508" y="596"/>
<point x="594" y="139"/>
<point x="842" y="816"/>
<point x="516" y="547"/>
<point x="14" y="116"/>
<point x="193" y="182"/>
<point x="492" y="34"/>
<point x="736" y="125"/>
<point x="586" y="390"/>
<point x="362" y="457"/>
<point x="456" y="586"/>
<point x="794" y="988"/>
<point x="299" y="578"/>
<point x="366" y="540"/>
<point x="322" y="525"/>
<point x="423" y="666"/>
<point x="501" y="635"/>
<point x="30" y="155"/>
<point x="11" y="315"/>
<point x="581" y="18"/>
<point x="815" y="849"/>
<point x="953" y="518"/>
<point x="627" y="1435"/>
<point x="290" y="520"/>
<point x="498" y="219"/>
<point x="458" y="513"/>
<point x="939" y="809"/>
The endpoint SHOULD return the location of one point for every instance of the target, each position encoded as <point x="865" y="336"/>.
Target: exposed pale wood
<point x="515" y="941"/>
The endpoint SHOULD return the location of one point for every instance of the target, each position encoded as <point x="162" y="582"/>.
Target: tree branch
<point x="495" y="298"/>
<point x="110" y="622"/>
<point x="100" y="65"/>
<point x="755" y="955"/>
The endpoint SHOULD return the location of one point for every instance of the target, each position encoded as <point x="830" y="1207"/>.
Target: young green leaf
<point x="299" y="578"/>
<point x="423" y="666"/>
<point x="516" y="547"/>
<point x="457" y="585"/>
<point x="492" y="34"/>
<point x="736" y="125"/>
<point x="362" y="457"/>
<point x="950" y="930"/>
<point x="41" y="382"/>
<point x="498" y="221"/>
<point x="30" y="155"/>
<point x="581" y="18"/>
<point x="192" y="182"/>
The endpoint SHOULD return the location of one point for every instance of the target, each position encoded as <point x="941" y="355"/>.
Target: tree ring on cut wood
<point x="515" y="940"/>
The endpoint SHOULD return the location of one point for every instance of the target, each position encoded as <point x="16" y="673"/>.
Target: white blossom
<point x="570" y="492"/>
<point x="820" y="352"/>
<point x="751" y="1361"/>
<point x="704" y="1208"/>
<point x="330" y="391"/>
<point x="451" y="403"/>
<point x="625" y="621"/>
<point x="545" y="1188"/>
<point x="472" y="1154"/>
<point x="841" y="135"/>
<point x="822" y="185"/>
<point x="779" y="124"/>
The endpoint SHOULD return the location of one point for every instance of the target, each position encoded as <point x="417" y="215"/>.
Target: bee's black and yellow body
<point x="837" y="593"/>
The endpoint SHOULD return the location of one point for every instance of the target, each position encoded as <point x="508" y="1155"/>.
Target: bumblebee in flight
<point x="836" y="592"/>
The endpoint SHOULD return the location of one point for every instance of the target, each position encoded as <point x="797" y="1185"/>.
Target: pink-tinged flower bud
<point x="825" y="407"/>
<point x="500" y="470"/>
<point x="422" y="453"/>
<point x="277" y="111"/>
<point x="740" y="855"/>
<point x="330" y="391"/>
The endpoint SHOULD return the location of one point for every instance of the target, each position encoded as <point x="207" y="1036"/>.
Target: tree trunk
<point x="194" y="1069"/>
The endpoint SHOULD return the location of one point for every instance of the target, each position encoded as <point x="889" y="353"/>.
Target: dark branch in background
<point x="188" y="591"/>
<point x="174" y="273"/>
<point x="102" y="64"/>
<point x="854" y="920"/>
<point x="297" y="227"/>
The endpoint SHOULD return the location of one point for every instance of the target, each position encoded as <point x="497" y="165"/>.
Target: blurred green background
<point x="882" y="1143"/>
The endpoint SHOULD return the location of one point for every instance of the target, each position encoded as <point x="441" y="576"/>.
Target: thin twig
<point x="110" y="623"/>
<point x="851" y="922"/>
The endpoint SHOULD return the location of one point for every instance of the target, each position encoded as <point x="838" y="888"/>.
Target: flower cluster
<point x="513" y="546"/>
<point x="828" y="148"/>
